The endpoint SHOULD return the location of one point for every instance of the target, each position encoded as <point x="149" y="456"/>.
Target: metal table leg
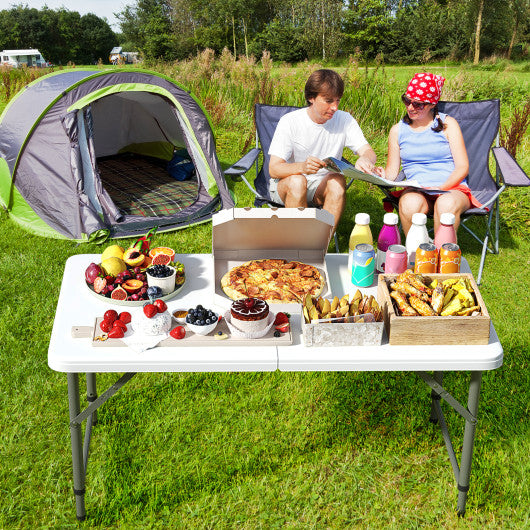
<point x="80" y="448"/>
<point x="77" y="445"/>
<point x="469" y="440"/>
<point x="438" y="377"/>
<point x="92" y="394"/>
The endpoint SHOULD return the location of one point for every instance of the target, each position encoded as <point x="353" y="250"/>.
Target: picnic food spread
<point x="250" y="314"/>
<point x="273" y="280"/>
<point x="414" y="296"/>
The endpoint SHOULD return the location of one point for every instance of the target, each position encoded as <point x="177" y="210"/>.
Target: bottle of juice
<point x="389" y="235"/>
<point x="417" y="235"/>
<point x="446" y="231"/>
<point x="361" y="233"/>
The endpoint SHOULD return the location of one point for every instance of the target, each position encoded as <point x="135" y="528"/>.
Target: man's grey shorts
<point x="312" y="185"/>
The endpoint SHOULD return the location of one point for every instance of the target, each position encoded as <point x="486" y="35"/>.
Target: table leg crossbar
<point x="462" y="472"/>
<point x="80" y="446"/>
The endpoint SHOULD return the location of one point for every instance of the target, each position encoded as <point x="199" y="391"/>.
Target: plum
<point x="92" y="272"/>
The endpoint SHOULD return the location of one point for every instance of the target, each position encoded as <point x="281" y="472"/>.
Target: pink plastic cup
<point x="396" y="259"/>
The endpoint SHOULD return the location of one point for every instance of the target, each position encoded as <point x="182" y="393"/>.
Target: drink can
<point x="363" y="265"/>
<point x="426" y="259"/>
<point x="396" y="259"/>
<point x="450" y="258"/>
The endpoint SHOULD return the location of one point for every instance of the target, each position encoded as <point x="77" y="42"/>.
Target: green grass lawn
<point x="260" y="450"/>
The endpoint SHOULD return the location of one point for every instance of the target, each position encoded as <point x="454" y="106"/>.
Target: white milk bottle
<point x="417" y="235"/>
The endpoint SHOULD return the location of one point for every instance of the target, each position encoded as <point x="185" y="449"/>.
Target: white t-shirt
<point x="297" y="137"/>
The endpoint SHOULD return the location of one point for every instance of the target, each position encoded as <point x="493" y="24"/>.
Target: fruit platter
<point x="131" y="276"/>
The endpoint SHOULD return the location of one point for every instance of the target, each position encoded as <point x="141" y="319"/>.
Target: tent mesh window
<point x="141" y="185"/>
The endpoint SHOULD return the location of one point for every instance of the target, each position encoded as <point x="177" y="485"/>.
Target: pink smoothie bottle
<point x="446" y="231"/>
<point x="389" y="235"/>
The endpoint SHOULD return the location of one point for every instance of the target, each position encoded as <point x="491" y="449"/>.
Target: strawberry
<point x="160" y="305"/>
<point x="283" y="328"/>
<point x="150" y="310"/>
<point x="178" y="333"/>
<point x="125" y="317"/>
<point x="116" y="333"/>
<point x="105" y="325"/>
<point x="119" y="324"/>
<point x="111" y="315"/>
<point x="281" y="318"/>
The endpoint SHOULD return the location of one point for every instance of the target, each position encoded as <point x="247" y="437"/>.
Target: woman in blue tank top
<point x="429" y="146"/>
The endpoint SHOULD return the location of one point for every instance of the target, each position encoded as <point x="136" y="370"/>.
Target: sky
<point x="101" y="8"/>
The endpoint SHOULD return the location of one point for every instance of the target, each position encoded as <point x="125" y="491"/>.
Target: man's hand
<point x="364" y="164"/>
<point x="312" y="165"/>
<point x="379" y="171"/>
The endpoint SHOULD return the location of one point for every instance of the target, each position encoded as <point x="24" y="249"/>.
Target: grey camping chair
<point x="266" y="119"/>
<point x="479" y="121"/>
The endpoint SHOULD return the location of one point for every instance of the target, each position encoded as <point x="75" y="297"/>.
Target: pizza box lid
<point x="272" y="228"/>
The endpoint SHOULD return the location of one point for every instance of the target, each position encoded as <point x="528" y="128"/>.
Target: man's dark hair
<point x="323" y="82"/>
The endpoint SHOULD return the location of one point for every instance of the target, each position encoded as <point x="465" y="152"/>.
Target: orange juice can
<point x="426" y="259"/>
<point x="450" y="258"/>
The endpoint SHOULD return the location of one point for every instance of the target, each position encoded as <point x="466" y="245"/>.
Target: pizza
<point x="273" y="280"/>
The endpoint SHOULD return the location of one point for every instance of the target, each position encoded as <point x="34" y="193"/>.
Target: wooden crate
<point x="433" y="330"/>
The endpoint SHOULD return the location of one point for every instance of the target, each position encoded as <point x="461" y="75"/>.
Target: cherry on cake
<point x="250" y="314"/>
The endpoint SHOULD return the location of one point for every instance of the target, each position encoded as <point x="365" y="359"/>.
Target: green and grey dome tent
<point x="87" y="154"/>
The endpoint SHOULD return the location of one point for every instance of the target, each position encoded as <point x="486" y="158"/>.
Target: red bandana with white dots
<point x="425" y="87"/>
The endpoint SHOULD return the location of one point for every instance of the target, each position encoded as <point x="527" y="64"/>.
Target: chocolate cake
<point x="250" y="314"/>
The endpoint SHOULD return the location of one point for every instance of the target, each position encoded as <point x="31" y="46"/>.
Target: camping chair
<point x="479" y="121"/>
<point x="266" y="118"/>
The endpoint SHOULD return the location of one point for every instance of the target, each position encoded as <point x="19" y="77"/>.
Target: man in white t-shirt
<point x="306" y="136"/>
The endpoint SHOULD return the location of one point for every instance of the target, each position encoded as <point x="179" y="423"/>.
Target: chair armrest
<point x="511" y="171"/>
<point x="243" y="164"/>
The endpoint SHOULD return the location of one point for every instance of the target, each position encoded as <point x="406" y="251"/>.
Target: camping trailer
<point x="88" y="154"/>
<point x="17" y="58"/>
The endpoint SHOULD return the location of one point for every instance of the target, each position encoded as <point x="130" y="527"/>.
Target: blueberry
<point x="277" y="334"/>
<point x="207" y="321"/>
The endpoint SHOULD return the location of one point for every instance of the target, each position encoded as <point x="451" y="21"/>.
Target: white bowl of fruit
<point x="201" y="320"/>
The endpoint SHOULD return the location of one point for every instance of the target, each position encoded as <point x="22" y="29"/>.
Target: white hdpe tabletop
<point x="78" y="307"/>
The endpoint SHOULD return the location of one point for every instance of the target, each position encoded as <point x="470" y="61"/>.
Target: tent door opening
<point x="142" y="155"/>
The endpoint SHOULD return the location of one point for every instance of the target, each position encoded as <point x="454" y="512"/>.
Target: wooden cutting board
<point x="191" y="339"/>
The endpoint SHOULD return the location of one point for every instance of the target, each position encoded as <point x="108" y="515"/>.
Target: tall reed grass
<point x="229" y="86"/>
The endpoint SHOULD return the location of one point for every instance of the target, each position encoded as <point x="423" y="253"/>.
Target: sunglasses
<point x="415" y="104"/>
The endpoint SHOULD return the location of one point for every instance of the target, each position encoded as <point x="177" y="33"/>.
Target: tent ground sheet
<point x="141" y="185"/>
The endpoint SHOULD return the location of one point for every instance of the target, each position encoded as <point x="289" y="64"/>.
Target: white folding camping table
<point x="77" y="306"/>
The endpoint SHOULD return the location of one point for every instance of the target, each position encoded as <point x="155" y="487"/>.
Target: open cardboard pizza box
<point x="243" y="234"/>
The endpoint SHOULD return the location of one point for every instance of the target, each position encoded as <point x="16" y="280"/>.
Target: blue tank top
<point x="426" y="155"/>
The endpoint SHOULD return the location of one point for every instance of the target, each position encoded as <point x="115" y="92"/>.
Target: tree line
<point x="400" y="31"/>
<point x="61" y="35"/>
<point x="295" y="30"/>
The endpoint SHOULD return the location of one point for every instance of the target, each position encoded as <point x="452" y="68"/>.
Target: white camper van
<point x="16" y="58"/>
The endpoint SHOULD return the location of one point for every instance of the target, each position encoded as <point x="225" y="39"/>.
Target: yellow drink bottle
<point x="361" y="233"/>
